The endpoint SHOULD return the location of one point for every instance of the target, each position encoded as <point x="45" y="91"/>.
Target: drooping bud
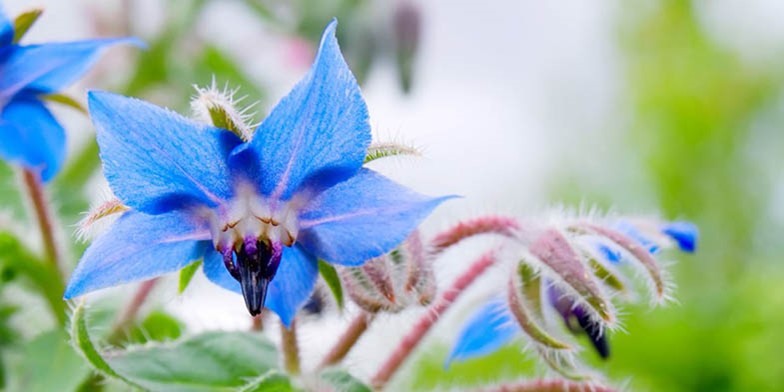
<point x="407" y="26"/>
<point x="525" y="305"/>
<point x="394" y="281"/>
<point x="566" y="269"/>
<point x="577" y="320"/>
<point x="219" y="108"/>
<point x="639" y="252"/>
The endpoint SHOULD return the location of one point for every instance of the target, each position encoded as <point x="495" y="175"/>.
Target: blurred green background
<point x="699" y="138"/>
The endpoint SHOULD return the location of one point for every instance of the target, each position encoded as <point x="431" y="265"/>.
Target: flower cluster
<point x="571" y="269"/>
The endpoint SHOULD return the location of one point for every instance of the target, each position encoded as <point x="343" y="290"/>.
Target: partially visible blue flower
<point x="489" y="329"/>
<point x="259" y="212"/>
<point x="29" y="135"/>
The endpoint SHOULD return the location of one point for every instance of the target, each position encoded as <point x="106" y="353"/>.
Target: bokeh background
<point x="655" y="106"/>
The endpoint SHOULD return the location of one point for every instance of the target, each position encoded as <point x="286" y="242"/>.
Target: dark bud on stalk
<point x="577" y="320"/>
<point x="254" y="265"/>
<point x="407" y="27"/>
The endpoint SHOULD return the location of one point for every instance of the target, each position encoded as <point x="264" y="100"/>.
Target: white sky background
<point x="506" y="93"/>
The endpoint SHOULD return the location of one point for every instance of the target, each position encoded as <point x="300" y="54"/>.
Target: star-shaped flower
<point x="259" y="212"/>
<point x="29" y="134"/>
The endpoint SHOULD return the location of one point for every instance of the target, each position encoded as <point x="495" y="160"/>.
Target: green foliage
<point x="330" y="276"/>
<point x="186" y="275"/>
<point x="17" y="261"/>
<point x="341" y="380"/>
<point x="429" y="371"/>
<point x="48" y="363"/>
<point x="213" y="361"/>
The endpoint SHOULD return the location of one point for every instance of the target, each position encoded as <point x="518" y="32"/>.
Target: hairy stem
<point x="434" y="312"/>
<point x="347" y="341"/>
<point x="130" y="312"/>
<point x="43" y="214"/>
<point x="290" y="348"/>
<point x="554" y="385"/>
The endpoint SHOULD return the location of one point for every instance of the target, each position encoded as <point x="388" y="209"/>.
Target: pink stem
<point x="420" y="329"/>
<point x="500" y="225"/>
<point x="43" y="214"/>
<point x="548" y="386"/>
<point x="129" y="315"/>
<point x="349" y="338"/>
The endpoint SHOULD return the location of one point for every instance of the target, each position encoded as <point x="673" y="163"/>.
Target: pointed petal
<point x="138" y="246"/>
<point x="6" y="28"/>
<point x="47" y="68"/>
<point x="292" y="284"/>
<point x="32" y="137"/>
<point x="318" y="134"/>
<point x="156" y="160"/>
<point x="684" y="233"/>
<point x="488" y="330"/>
<point x="361" y="218"/>
<point x="289" y="289"/>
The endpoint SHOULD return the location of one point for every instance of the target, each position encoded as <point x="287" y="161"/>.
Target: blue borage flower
<point x="256" y="210"/>
<point x="29" y="135"/>
<point x="494" y="325"/>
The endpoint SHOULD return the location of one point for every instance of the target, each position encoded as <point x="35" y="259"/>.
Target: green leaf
<point x="24" y="21"/>
<point x="342" y="381"/>
<point x="156" y="327"/>
<point x="80" y="337"/>
<point x="213" y="361"/>
<point x="272" y="381"/>
<point x="17" y="260"/>
<point x="330" y="276"/>
<point x="48" y="363"/>
<point x="186" y="275"/>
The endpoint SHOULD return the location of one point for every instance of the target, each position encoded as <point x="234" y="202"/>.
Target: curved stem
<point x="548" y="386"/>
<point x="349" y="338"/>
<point x="43" y="215"/>
<point x="420" y="329"/>
<point x="129" y="315"/>
<point x="290" y="348"/>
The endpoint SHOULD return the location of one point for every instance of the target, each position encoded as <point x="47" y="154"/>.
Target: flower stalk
<point x="44" y="217"/>
<point x="290" y="348"/>
<point x="129" y="315"/>
<point x="420" y="329"/>
<point x="347" y="341"/>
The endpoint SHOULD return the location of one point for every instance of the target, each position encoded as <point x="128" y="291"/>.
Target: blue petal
<point x="32" y="137"/>
<point x="155" y="160"/>
<point x="6" y="28"/>
<point x="293" y="283"/>
<point x="361" y="218"/>
<point x="316" y="136"/>
<point x="488" y="330"/>
<point x="289" y="289"/>
<point x="138" y="246"/>
<point x="48" y="68"/>
<point x="684" y="233"/>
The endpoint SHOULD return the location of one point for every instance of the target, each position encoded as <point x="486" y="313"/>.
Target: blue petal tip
<point x="685" y="234"/>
